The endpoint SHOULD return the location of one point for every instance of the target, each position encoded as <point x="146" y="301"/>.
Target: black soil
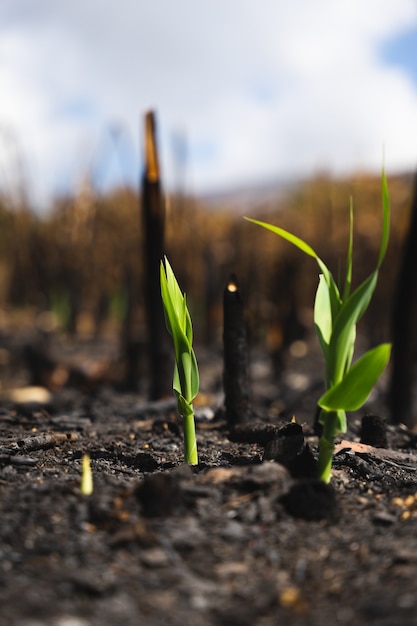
<point x="247" y="537"/>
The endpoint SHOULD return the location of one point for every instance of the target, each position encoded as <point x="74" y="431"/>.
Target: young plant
<point x="86" y="486"/>
<point x="186" y="378"/>
<point x="336" y="314"/>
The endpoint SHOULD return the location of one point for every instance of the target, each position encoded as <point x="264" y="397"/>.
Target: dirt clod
<point x="312" y="500"/>
<point x="374" y="431"/>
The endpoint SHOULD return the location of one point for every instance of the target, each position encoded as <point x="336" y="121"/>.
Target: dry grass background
<point x="80" y="260"/>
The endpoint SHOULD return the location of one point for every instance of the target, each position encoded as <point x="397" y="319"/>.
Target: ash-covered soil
<point x="218" y="544"/>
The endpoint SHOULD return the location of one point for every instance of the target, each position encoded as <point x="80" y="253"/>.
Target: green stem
<point x="190" y="442"/>
<point x="324" y="469"/>
<point x="333" y="424"/>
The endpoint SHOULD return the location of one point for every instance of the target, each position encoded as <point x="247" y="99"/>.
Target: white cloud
<point x="261" y="88"/>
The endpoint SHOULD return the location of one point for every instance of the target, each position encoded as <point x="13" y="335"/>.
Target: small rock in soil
<point x="374" y="431"/>
<point x="266" y="477"/>
<point x="162" y="495"/>
<point x="312" y="500"/>
<point x="290" y="449"/>
<point x="381" y="518"/>
<point x="254" y="432"/>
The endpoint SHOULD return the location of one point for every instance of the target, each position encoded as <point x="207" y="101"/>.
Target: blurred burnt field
<point x="77" y="275"/>
<point x="80" y="304"/>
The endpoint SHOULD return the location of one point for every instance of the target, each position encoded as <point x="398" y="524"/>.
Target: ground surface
<point x="160" y="543"/>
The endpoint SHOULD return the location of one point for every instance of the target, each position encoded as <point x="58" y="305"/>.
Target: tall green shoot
<point x="336" y="314"/>
<point x="186" y="377"/>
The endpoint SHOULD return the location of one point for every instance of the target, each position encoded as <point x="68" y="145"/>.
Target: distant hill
<point x="256" y="196"/>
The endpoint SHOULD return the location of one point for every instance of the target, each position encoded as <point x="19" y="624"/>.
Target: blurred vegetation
<point x="82" y="259"/>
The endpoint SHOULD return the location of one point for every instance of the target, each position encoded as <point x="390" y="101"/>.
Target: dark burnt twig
<point x="235" y="374"/>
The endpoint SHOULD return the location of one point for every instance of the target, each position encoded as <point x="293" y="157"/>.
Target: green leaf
<point x="334" y="295"/>
<point x="195" y="379"/>
<point x="323" y="314"/>
<point x="304" y="247"/>
<point x="351" y="393"/>
<point x="340" y="348"/>
<point x="296" y="241"/>
<point x="349" y="355"/>
<point x="178" y="321"/>
<point x="348" y="281"/>
<point x="184" y="369"/>
<point x="188" y="329"/>
<point x="167" y="300"/>
<point x="185" y="408"/>
<point x="176" y="298"/>
<point x="175" y="310"/>
<point x="188" y="383"/>
<point x="385" y="220"/>
<point x="176" y="384"/>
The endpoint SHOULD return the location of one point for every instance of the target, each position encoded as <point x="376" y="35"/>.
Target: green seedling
<point x="186" y="378"/>
<point x="336" y="314"/>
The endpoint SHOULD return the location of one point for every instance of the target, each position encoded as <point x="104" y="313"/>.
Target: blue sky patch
<point x="203" y="151"/>
<point x="262" y="93"/>
<point x="77" y="108"/>
<point x="402" y="51"/>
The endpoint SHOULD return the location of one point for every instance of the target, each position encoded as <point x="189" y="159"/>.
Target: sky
<point x="245" y="91"/>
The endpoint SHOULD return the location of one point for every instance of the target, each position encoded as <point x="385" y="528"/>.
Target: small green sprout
<point x="186" y="378"/>
<point x="336" y="314"/>
<point x="86" y="487"/>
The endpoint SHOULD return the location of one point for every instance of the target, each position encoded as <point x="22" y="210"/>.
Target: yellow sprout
<point x="86" y="477"/>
